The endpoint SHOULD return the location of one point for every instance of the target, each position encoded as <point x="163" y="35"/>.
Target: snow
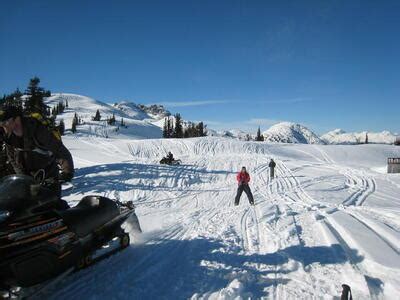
<point x="287" y="132"/>
<point x="139" y="123"/>
<point x="339" y="136"/>
<point x="328" y="218"/>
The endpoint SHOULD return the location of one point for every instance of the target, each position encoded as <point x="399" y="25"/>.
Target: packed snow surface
<point x="330" y="217"/>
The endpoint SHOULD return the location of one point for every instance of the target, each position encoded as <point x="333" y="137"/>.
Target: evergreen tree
<point x="13" y="99"/>
<point x="97" y="117"/>
<point x="66" y="103"/>
<point x="200" y="129"/>
<point x="259" y="137"/>
<point x="61" y="127"/>
<point x="111" y="121"/>
<point x="366" y="138"/>
<point x="35" y="97"/>
<point x="74" y="123"/>
<point x="178" y="132"/>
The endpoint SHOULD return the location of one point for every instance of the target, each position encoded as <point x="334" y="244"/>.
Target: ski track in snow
<point x="293" y="244"/>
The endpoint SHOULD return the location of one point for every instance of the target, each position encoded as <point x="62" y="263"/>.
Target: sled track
<point x="365" y="187"/>
<point x="380" y="236"/>
<point x="373" y="290"/>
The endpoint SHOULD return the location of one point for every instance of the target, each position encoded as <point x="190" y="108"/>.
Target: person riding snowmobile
<point x="32" y="149"/>
<point x="170" y="157"/>
<point x="243" y="179"/>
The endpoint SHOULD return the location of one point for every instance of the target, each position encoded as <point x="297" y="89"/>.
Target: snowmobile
<point x="39" y="241"/>
<point x="166" y="161"/>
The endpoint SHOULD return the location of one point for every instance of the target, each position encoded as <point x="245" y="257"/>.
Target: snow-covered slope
<point x="287" y="132"/>
<point x="142" y="112"/>
<point x="328" y="218"/>
<point x="339" y="136"/>
<point x="139" y="123"/>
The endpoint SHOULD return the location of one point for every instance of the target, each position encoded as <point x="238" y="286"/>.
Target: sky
<point x="232" y="64"/>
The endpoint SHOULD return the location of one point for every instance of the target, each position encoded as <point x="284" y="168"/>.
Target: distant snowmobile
<point x="166" y="161"/>
<point x="39" y="242"/>
<point x="169" y="160"/>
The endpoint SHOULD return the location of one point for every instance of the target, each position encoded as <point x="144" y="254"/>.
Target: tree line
<point x="177" y="129"/>
<point x="31" y="102"/>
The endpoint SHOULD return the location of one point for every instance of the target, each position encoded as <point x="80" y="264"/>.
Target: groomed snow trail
<point x="322" y="222"/>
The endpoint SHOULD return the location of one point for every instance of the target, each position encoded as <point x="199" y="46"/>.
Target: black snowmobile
<point x="167" y="161"/>
<point x="40" y="242"/>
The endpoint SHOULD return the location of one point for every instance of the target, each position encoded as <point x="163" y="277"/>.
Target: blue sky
<point x="233" y="64"/>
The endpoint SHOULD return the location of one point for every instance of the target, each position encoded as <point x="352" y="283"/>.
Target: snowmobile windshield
<point x="15" y="191"/>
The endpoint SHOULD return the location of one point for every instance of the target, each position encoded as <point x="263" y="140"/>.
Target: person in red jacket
<point x="243" y="179"/>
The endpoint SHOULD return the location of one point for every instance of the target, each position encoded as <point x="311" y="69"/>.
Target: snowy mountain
<point x="339" y="136"/>
<point x="287" y="132"/>
<point x="233" y="133"/>
<point x="142" y="112"/>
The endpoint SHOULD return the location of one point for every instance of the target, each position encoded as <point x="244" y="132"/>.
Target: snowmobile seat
<point x="91" y="213"/>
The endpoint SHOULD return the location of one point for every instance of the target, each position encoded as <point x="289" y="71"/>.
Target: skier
<point x="33" y="149"/>
<point x="243" y="179"/>
<point x="272" y="165"/>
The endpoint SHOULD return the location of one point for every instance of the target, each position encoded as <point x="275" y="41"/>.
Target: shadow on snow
<point x="178" y="269"/>
<point x="113" y="177"/>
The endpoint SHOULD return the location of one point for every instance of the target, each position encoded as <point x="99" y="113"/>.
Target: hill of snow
<point x="140" y="121"/>
<point x="339" y="136"/>
<point x="287" y="132"/>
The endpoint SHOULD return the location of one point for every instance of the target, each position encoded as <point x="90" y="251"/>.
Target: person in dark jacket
<point x="272" y="166"/>
<point x="32" y="149"/>
<point x="243" y="179"/>
<point x="5" y="167"/>
<point x="170" y="157"/>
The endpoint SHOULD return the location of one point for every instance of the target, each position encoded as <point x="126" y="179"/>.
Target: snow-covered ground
<point x="330" y="217"/>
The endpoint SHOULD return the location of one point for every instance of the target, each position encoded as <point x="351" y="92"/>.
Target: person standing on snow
<point x="243" y="179"/>
<point x="272" y="166"/>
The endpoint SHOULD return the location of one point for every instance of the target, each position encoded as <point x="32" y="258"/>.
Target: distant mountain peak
<point x="289" y="132"/>
<point x="142" y="112"/>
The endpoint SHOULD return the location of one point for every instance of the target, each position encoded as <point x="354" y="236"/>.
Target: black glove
<point x="66" y="177"/>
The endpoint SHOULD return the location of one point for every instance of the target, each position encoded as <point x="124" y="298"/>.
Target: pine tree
<point x="200" y="129"/>
<point x="366" y="138"/>
<point x="61" y="127"/>
<point x="178" y="132"/>
<point x="35" y="97"/>
<point x="259" y="137"/>
<point x="97" y="117"/>
<point x="74" y="123"/>
<point x="66" y="103"/>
